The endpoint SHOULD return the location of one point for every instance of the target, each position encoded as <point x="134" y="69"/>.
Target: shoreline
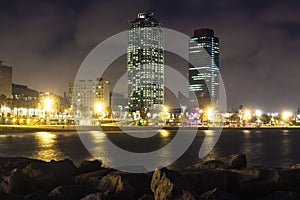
<point x="72" y="128"/>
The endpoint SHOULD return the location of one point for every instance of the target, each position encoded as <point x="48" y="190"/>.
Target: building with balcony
<point x="88" y="98"/>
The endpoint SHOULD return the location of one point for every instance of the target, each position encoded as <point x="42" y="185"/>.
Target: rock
<point x="295" y="166"/>
<point x="37" y="195"/>
<point x="92" y="179"/>
<point x="281" y="195"/>
<point x="292" y="179"/>
<point x="49" y="175"/>
<point x="95" y="196"/>
<point x="146" y="197"/>
<point x="122" y="185"/>
<point x="167" y="184"/>
<point x="234" y="161"/>
<point x="89" y="166"/>
<point x="256" y="181"/>
<point x="16" y="197"/>
<point x="4" y="196"/>
<point x="218" y="194"/>
<point x="204" y="180"/>
<point x="19" y="163"/>
<point x="70" y="192"/>
<point x="214" y="164"/>
<point x="17" y="183"/>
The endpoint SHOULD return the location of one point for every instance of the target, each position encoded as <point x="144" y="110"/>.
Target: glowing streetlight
<point x="48" y="102"/>
<point x="247" y="115"/>
<point x="165" y="109"/>
<point x="165" y="113"/>
<point x="286" y="115"/>
<point x="210" y="113"/>
<point x="99" y="107"/>
<point x="258" y="113"/>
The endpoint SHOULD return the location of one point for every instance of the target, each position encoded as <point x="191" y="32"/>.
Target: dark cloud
<point x="46" y="41"/>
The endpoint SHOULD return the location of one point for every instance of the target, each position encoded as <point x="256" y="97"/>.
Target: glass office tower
<point x="145" y="64"/>
<point x="204" y="67"/>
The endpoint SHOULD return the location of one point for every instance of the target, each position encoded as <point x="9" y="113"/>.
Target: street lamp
<point x="247" y="115"/>
<point x="210" y="113"/>
<point x="258" y="114"/>
<point x="286" y="115"/>
<point x="48" y="102"/>
<point x="165" y="113"/>
<point x="99" y="108"/>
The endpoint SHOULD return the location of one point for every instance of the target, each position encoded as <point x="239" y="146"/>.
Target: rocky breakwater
<point x="226" y="178"/>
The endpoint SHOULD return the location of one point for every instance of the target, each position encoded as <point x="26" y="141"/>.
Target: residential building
<point x="88" y="97"/>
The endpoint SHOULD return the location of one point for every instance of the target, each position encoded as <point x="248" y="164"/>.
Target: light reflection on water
<point x="164" y="133"/>
<point x="246" y="132"/>
<point x="47" y="147"/>
<point x="262" y="147"/>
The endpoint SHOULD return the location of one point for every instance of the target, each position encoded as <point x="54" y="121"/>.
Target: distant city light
<point x="48" y="102"/>
<point x="286" y="115"/>
<point x="247" y="114"/>
<point x="258" y="113"/>
<point x="99" y="107"/>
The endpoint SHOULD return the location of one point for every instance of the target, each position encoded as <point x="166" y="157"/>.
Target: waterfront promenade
<point x="114" y="127"/>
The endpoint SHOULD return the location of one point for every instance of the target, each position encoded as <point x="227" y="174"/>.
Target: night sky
<point x="46" y="41"/>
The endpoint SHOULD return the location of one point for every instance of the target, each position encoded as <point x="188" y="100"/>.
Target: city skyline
<point x="57" y="36"/>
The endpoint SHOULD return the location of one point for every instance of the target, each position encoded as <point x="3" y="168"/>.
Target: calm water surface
<point x="276" y="148"/>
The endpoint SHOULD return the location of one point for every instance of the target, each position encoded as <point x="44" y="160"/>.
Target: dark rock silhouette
<point x="168" y="184"/>
<point x="222" y="179"/>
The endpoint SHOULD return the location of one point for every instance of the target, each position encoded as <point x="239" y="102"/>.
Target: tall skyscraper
<point x="145" y="64"/>
<point x="204" y="67"/>
<point x="5" y="80"/>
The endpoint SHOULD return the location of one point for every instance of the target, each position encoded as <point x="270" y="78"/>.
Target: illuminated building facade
<point x="145" y="64"/>
<point x="24" y="97"/>
<point x="85" y="95"/>
<point x="204" y="67"/>
<point x="5" y="80"/>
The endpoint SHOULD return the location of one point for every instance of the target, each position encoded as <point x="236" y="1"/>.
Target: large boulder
<point x="206" y="179"/>
<point x="147" y="197"/>
<point x="292" y="179"/>
<point x="11" y="163"/>
<point x="122" y="185"/>
<point x="234" y="161"/>
<point x="256" y="181"/>
<point x="4" y="196"/>
<point x="95" y="196"/>
<point x="169" y="185"/>
<point x="89" y="166"/>
<point x="218" y="194"/>
<point x="281" y="195"/>
<point x="70" y="192"/>
<point x="295" y="166"/>
<point x="37" y="195"/>
<point x="49" y="175"/>
<point x="92" y="179"/>
<point x="17" y="183"/>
